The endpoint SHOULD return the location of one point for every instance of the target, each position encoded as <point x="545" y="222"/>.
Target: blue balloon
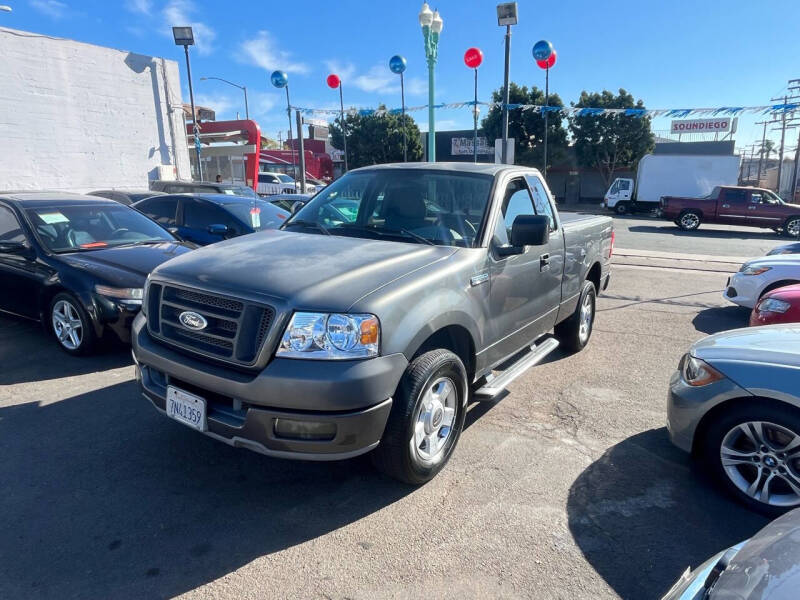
<point x="397" y="64"/>
<point x="279" y="79"/>
<point x="542" y="50"/>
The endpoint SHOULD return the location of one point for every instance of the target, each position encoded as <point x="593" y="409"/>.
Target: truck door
<point x="520" y="300"/>
<point x="732" y="206"/>
<point x="764" y="209"/>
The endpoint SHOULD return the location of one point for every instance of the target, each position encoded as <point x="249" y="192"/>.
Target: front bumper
<point x="241" y="408"/>
<point x="743" y="289"/>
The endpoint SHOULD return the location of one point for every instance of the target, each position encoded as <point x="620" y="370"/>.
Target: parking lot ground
<point x="566" y="487"/>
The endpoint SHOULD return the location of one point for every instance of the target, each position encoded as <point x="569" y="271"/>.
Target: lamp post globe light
<point x="334" y="81"/>
<point x="431" y="23"/>
<point x="236" y="85"/>
<point x="185" y="37"/>
<point x="545" y="57"/>
<point x="473" y="58"/>
<point x="280" y="79"/>
<point x="397" y="65"/>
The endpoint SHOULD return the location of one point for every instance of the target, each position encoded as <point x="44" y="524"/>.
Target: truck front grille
<point x="235" y="330"/>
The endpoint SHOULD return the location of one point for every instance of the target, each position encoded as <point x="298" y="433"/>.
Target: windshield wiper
<point x="140" y="243"/>
<point x="416" y="236"/>
<point x="304" y="223"/>
<point x="387" y="232"/>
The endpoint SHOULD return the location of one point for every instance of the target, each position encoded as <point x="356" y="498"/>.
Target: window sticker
<point x="53" y="218"/>
<point x="255" y="217"/>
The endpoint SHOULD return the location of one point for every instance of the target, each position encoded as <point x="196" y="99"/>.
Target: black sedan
<point x="126" y="197"/>
<point x="77" y="263"/>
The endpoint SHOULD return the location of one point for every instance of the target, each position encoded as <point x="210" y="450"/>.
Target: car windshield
<point x="71" y="228"/>
<point x="258" y="215"/>
<point x="285" y="179"/>
<point x="411" y="205"/>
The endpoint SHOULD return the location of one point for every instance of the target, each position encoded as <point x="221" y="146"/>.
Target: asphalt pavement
<point x="565" y="487"/>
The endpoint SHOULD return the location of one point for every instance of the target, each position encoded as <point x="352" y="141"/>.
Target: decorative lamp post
<point x="545" y="58"/>
<point x="281" y="80"/>
<point x="184" y="37"/>
<point x="506" y="17"/>
<point x="241" y="87"/>
<point x="397" y="65"/>
<point x="334" y="82"/>
<point x="473" y="58"/>
<point x="431" y="24"/>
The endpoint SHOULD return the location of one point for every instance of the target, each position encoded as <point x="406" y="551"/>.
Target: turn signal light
<point x="369" y="331"/>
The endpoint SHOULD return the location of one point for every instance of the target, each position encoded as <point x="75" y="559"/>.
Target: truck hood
<point x="770" y="344"/>
<point x="305" y="270"/>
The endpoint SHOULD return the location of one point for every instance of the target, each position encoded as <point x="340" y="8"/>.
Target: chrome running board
<point x="496" y="384"/>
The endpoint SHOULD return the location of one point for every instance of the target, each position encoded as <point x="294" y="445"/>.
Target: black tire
<point x="791" y="228"/>
<point x="397" y="454"/>
<point x="689" y="220"/>
<point x="621" y="208"/>
<point x="568" y="332"/>
<point x="711" y="442"/>
<point x="87" y="337"/>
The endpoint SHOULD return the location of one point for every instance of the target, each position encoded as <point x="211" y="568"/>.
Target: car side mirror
<point x="217" y="229"/>
<point x="527" y="230"/>
<point x="175" y="234"/>
<point x="297" y="206"/>
<point x="18" y="248"/>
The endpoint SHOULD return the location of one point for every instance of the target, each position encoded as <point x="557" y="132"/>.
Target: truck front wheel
<point x="689" y="220"/>
<point x="621" y="208"/>
<point x="426" y="419"/>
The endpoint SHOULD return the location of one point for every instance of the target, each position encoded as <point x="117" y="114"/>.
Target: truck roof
<point x="484" y="168"/>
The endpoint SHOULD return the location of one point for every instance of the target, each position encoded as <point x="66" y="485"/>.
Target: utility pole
<point x="796" y="89"/>
<point x="761" y="153"/>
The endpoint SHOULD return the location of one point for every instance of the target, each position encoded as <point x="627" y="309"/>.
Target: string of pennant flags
<point x="570" y="111"/>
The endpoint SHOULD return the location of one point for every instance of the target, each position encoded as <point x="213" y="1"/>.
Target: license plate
<point x="186" y="408"/>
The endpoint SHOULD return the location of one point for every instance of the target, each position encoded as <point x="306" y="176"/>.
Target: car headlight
<point x="697" y="373"/>
<point x="330" y="336"/>
<point x="751" y="270"/>
<point x="129" y="294"/>
<point x="773" y="305"/>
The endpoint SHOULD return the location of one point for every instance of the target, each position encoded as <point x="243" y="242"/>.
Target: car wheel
<point x="426" y="419"/>
<point x="689" y="220"/>
<point x="792" y="227"/>
<point x="574" y="333"/>
<point x="71" y="325"/>
<point x="754" y="451"/>
<point x="621" y="208"/>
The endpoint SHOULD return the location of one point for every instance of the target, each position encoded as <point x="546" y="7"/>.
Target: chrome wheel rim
<point x="586" y="318"/>
<point x="793" y="228"/>
<point x="433" y="424"/>
<point x="762" y="460"/>
<point x="690" y="220"/>
<point x="67" y="325"/>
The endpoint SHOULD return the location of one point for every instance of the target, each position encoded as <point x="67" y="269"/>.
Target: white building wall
<point x="78" y="117"/>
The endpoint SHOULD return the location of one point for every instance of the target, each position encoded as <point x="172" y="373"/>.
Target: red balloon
<point x="547" y="64"/>
<point x="473" y="58"/>
<point x="333" y="81"/>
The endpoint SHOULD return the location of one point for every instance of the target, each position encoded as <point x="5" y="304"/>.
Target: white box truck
<point x="670" y="175"/>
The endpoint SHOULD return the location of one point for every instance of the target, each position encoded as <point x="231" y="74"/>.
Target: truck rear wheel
<point x="426" y="419"/>
<point x="574" y="333"/>
<point x="689" y="220"/>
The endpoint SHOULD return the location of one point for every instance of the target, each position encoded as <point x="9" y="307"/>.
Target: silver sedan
<point x="734" y="402"/>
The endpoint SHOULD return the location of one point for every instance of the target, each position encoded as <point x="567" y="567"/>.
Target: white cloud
<point x="263" y="103"/>
<point x="222" y="104"/>
<point x="416" y="86"/>
<point x="262" y="52"/>
<point x="179" y="12"/>
<point x="379" y="79"/>
<point x="344" y="70"/>
<point x="139" y="6"/>
<point x="52" y="8"/>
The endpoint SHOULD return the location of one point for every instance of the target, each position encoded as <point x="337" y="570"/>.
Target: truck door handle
<point x="544" y="262"/>
<point x="726" y="206"/>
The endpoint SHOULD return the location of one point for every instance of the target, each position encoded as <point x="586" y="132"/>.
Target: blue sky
<point x="671" y="54"/>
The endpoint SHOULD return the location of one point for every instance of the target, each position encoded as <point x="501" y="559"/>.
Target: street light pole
<point x="397" y="65"/>
<point x="506" y="94"/>
<point x="185" y="37"/>
<point x="431" y="24"/>
<point x="236" y="85"/>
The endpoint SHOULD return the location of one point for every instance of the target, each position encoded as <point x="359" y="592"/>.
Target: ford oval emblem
<point x="192" y="320"/>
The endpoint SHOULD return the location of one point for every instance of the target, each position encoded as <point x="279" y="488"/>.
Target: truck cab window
<point x="614" y="187"/>
<point x="541" y="201"/>
<point x="756" y="198"/>
<point x="624" y="185"/>
<point x="517" y="201"/>
<point x="735" y="196"/>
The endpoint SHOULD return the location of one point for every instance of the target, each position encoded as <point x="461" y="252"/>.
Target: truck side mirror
<point x="526" y="230"/>
<point x="217" y="229"/>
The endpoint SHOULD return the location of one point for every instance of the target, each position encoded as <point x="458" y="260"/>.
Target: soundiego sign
<point x="718" y="125"/>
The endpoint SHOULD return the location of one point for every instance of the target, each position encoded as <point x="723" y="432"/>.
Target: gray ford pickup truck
<point x="370" y="319"/>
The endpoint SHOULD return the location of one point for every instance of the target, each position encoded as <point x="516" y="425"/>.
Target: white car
<point x="275" y="183"/>
<point x="756" y="277"/>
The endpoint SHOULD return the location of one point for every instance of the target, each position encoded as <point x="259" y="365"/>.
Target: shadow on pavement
<point x="29" y="353"/>
<point x="111" y="500"/>
<point x="721" y="318"/>
<point x="709" y="233"/>
<point x="641" y="514"/>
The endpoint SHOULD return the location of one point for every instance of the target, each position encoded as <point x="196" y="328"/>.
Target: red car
<point x="781" y="305"/>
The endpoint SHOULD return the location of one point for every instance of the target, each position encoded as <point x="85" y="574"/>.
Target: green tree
<point x="608" y="143"/>
<point x="376" y="139"/>
<point x="527" y="127"/>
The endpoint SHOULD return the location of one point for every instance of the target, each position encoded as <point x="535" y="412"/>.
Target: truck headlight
<point x="330" y="336"/>
<point x="751" y="270"/>
<point x="132" y="295"/>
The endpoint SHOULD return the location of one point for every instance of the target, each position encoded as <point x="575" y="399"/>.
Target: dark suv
<point x="202" y="187"/>
<point x="207" y="218"/>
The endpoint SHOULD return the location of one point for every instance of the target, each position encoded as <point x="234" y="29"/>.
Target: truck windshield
<point x="409" y="205"/>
